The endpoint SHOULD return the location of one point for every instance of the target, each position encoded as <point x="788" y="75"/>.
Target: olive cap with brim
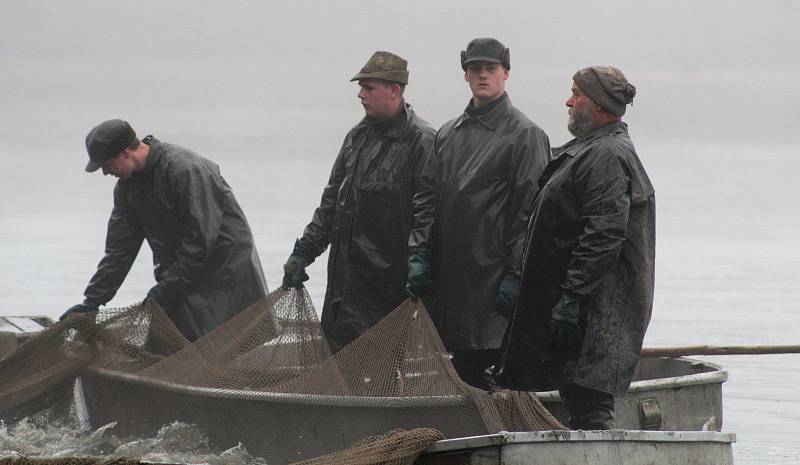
<point x="107" y="140"/>
<point x="485" y="50"/>
<point x="386" y="66"/>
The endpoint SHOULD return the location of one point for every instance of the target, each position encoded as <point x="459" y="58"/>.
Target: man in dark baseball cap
<point x="366" y="211"/>
<point x="107" y="140"/>
<point x="472" y="206"/>
<point x="206" y="265"/>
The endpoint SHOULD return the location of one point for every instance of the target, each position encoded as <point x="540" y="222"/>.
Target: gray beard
<point x="580" y="124"/>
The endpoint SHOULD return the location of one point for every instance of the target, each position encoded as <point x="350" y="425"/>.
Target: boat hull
<point x="280" y="427"/>
<point x="682" y="394"/>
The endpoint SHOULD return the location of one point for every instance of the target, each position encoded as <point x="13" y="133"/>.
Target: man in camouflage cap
<point x="588" y="273"/>
<point x="386" y="66"/>
<point x="206" y="264"/>
<point x="471" y="208"/>
<point x="365" y="214"/>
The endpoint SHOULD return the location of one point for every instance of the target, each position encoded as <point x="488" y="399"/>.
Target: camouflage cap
<point x="485" y="49"/>
<point x="386" y="66"/>
<point x="106" y="140"/>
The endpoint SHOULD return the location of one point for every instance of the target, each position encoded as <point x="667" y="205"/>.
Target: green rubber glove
<point x="294" y="272"/>
<point x="565" y="331"/>
<point x="507" y="293"/>
<point x="79" y="309"/>
<point x="419" y="273"/>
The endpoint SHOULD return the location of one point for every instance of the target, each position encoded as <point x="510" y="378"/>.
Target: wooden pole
<point x="717" y="350"/>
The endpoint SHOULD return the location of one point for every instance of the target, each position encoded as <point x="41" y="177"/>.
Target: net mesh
<point x="398" y="447"/>
<point x="265" y="378"/>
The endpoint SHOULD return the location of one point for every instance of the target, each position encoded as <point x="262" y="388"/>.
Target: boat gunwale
<point x="719" y="375"/>
<point x="505" y="437"/>
<point x="282" y="397"/>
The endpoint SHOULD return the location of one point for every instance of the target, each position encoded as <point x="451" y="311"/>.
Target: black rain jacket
<point x="199" y="236"/>
<point x="471" y="210"/>
<point x="365" y="215"/>
<point x="592" y="234"/>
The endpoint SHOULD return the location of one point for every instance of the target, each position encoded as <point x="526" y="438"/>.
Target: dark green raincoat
<point x="366" y="215"/>
<point x="198" y="234"/>
<point x="471" y="210"/>
<point x="592" y="234"/>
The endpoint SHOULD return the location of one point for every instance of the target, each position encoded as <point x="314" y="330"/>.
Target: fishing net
<point x="265" y="378"/>
<point x="398" y="447"/>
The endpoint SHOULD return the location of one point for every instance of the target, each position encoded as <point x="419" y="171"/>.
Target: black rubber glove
<point x="294" y="272"/>
<point x="79" y="309"/>
<point x="507" y="293"/>
<point x="419" y="273"/>
<point x="165" y="295"/>
<point x="565" y="330"/>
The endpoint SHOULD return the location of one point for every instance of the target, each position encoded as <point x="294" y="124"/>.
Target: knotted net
<point x="265" y="378"/>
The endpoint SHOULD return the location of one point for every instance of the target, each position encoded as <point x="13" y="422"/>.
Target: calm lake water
<point x="727" y="262"/>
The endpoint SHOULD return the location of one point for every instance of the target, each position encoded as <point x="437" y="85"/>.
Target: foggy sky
<point x="706" y="72"/>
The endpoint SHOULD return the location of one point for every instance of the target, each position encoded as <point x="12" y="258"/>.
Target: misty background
<point x="262" y="88"/>
<point x="706" y="71"/>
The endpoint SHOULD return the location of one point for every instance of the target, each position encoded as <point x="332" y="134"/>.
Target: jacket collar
<point x="155" y="155"/>
<point x="574" y="146"/>
<point x="393" y="128"/>
<point x="491" y="119"/>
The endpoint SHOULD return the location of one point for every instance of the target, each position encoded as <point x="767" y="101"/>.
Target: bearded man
<point x="588" y="270"/>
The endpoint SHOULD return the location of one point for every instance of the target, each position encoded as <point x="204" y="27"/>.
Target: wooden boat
<point x="674" y="394"/>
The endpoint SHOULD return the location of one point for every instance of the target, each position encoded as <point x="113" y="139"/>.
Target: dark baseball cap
<point x="106" y="140"/>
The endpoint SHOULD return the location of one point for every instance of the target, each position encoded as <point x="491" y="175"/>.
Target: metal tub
<point x="614" y="447"/>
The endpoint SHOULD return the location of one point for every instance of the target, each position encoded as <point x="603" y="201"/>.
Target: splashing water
<point x="174" y="443"/>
